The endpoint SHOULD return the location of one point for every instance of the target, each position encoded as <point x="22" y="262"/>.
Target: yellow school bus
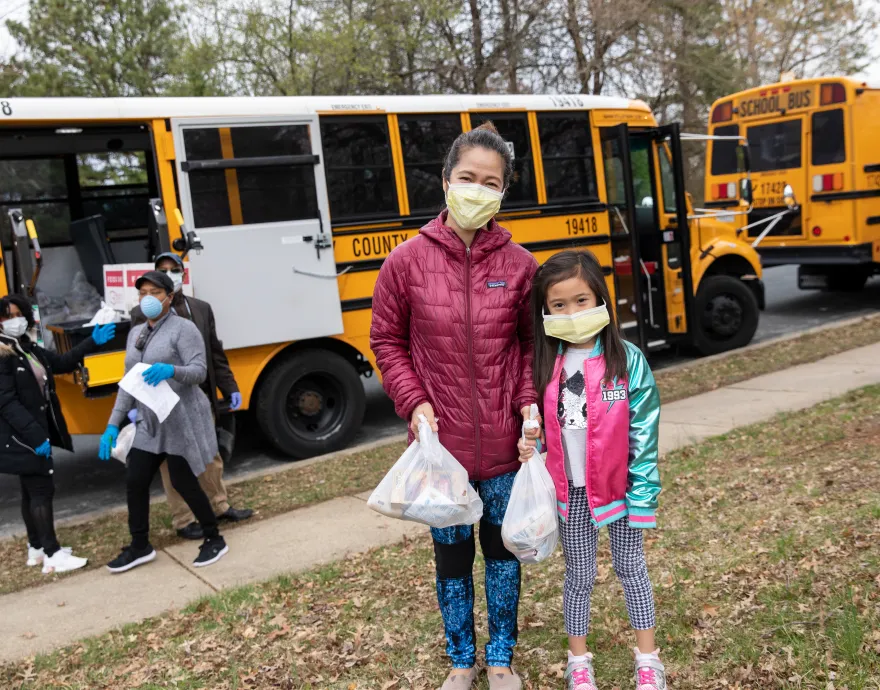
<point x="287" y="207"/>
<point x="821" y="139"/>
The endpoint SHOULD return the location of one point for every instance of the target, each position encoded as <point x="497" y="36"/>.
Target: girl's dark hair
<point x="23" y="304"/>
<point x="484" y="137"/>
<point x="559" y="267"/>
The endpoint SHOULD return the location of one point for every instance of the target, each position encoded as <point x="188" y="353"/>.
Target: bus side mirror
<point x="745" y="190"/>
<point x="789" y="197"/>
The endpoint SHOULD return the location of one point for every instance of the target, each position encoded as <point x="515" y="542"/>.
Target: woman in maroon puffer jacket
<point x="452" y="336"/>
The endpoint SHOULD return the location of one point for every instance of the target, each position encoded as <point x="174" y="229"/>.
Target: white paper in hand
<point x="160" y="399"/>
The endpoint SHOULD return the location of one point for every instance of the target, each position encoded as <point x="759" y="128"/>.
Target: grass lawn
<point x="766" y="568"/>
<point x="101" y="539"/>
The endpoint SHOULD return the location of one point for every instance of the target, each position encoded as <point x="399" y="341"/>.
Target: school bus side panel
<point x="828" y="222"/>
<point x="865" y="151"/>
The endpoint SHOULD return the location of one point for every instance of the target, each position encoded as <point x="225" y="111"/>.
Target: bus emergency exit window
<point x="829" y="145"/>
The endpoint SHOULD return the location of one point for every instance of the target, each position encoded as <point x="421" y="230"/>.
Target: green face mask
<point x="472" y="205"/>
<point x="577" y="328"/>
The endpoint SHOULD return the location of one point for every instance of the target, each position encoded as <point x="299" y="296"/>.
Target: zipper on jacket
<point x="587" y="454"/>
<point x="23" y="445"/>
<point x="473" y="377"/>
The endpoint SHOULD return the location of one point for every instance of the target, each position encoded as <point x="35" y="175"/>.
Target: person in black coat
<point x="31" y="423"/>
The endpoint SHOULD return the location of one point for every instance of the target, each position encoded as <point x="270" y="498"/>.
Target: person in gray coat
<point x="186" y="440"/>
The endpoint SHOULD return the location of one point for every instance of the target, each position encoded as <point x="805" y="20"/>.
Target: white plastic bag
<point x="123" y="443"/>
<point x="530" y="528"/>
<point x="428" y="485"/>
<point x="104" y="316"/>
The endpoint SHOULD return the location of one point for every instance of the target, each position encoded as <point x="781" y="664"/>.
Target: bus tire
<point x="726" y="313"/>
<point x="310" y="403"/>
<point x="847" y="279"/>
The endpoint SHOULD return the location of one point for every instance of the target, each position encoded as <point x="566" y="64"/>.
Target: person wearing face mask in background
<point x="599" y="387"/>
<point x="219" y="376"/>
<point x="31" y="423"/>
<point x="186" y="440"/>
<point x="452" y="335"/>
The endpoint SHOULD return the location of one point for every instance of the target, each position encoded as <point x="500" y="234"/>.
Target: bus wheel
<point x="848" y="279"/>
<point x="726" y="315"/>
<point x="311" y="402"/>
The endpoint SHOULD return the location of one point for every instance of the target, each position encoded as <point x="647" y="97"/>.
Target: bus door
<point x="253" y="190"/>
<point x="776" y="153"/>
<point x="650" y="239"/>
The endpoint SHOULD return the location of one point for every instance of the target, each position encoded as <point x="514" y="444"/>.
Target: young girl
<point x="601" y="416"/>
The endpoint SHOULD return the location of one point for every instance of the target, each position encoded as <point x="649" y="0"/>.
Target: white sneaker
<point x="35" y="556"/>
<point x="61" y="562"/>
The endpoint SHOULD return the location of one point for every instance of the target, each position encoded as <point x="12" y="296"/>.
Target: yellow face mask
<point x="472" y="205"/>
<point x="577" y="328"/>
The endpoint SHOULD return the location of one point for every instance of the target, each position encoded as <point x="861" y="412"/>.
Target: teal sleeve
<point x="644" y="431"/>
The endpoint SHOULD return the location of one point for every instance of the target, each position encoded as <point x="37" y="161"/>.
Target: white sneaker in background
<point x="35" y="556"/>
<point x="61" y="562"/>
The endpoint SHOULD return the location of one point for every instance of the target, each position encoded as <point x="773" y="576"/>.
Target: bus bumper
<point x="839" y="255"/>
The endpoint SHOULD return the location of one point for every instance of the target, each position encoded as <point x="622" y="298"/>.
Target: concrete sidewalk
<point x="45" y="618"/>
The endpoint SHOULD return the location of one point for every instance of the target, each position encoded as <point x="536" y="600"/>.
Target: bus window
<point x="567" y="154"/>
<point x="724" y="158"/>
<point x="667" y="179"/>
<point x="828" y="138"/>
<point x="425" y="140"/>
<point x="38" y="186"/>
<point x="115" y="185"/>
<point x="775" y="146"/>
<point x="358" y="165"/>
<point x="258" y="195"/>
<point x="514" y="129"/>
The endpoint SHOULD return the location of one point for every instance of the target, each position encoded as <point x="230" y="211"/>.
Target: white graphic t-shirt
<point x="572" y="414"/>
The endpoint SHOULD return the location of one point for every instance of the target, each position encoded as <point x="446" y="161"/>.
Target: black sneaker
<point x="212" y="551"/>
<point x="131" y="558"/>
<point x="192" y="531"/>
<point x="236" y="514"/>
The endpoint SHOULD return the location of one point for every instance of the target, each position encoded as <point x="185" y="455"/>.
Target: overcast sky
<point x="17" y="9"/>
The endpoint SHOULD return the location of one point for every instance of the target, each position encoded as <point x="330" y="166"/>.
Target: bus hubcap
<point x="314" y="406"/>
<point x="724" y="316"/>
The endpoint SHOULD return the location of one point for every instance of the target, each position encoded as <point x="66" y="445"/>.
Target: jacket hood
<point x="493" y="237"/>
<point x="10" y="346"/>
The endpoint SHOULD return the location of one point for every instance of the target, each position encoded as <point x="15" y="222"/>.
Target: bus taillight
<point x="724" y="191"/>
<point x="723" y="112"/>
<point x="828" y="183"/>
<point x="832" y="93"/>
<point x="817" y="231"/>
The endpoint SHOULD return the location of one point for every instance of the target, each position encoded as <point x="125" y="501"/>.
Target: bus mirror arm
<point x="188" y="240"/>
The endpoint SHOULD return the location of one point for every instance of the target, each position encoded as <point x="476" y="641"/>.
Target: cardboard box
<point x="120" y="292"/>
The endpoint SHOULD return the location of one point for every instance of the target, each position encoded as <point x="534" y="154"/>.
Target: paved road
<point x="84" y="484"/>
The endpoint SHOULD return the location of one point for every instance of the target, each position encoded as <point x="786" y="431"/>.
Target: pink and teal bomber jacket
<point x="623" y="421"/>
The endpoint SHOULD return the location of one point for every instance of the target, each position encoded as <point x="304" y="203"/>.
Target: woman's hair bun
<point x="487" y="126"/>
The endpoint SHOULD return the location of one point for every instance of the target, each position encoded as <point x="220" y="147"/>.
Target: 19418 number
<point x="582" y="226"/>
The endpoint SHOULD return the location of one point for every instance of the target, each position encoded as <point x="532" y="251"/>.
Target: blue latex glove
<point x="108" y="442"/>
<point x="158" y="373"/>
<point x="44" y="449"/>
<point x="103" y="334"/>
<point x="133" y="416"/>
<point x="235" y="401"/>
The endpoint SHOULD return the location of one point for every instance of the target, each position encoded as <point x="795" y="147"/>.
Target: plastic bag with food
<point x="428" y="485"/>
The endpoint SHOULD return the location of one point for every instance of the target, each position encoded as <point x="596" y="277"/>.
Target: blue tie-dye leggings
<point x="454" y="551"/>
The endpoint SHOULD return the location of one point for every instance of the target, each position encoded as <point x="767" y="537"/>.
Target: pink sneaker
<point x="650" y="672"/>
<point x="580" y="676"/>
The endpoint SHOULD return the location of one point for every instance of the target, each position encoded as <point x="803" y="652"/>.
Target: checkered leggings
<point x="580" y="539"/>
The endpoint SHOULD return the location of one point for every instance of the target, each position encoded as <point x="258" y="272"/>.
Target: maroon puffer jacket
<point x="453" y="327"/>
